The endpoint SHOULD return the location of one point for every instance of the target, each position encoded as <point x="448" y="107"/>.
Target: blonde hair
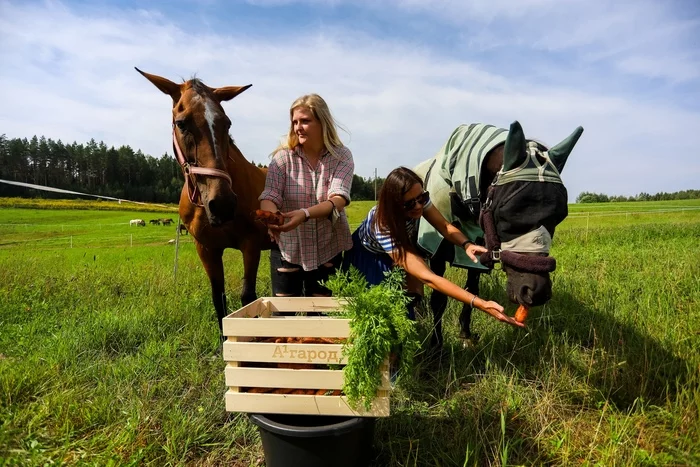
<point x="322" y="113"/>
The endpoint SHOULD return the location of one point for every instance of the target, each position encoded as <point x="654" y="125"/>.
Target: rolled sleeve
<point x="275" y="181"/>
<point x="341" y="181"/>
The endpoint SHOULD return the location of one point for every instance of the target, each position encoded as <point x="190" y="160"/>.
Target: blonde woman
<point x="308" y="181"/>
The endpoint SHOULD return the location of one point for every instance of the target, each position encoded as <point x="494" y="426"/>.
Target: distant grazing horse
<point x="503" y="191"/>
<point x="166" y="221"/>
<point x="137" y="222"/>
<point x="154" y="221"/>
<point x="221" y="187"/>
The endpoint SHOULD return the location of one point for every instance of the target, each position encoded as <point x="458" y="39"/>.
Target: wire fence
<point x="575" y="215"/>
<point x="121" y="234"/>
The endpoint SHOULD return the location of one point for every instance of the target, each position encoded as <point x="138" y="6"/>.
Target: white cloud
<point x="69" y="75"/>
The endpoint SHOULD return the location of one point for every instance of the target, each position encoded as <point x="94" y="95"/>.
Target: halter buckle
<point x="496" y="255"/>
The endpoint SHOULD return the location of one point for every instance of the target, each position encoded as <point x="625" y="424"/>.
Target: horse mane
<point x="198" y="86"/>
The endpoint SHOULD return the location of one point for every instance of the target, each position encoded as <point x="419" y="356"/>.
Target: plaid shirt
<point x="292" y="184"/>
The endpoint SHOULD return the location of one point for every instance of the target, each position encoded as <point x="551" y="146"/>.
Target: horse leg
<point x="212" y="260"/>
<point x="438" y="302"/>
<point x="465" y="317"/>
<point x="251" y="261"/>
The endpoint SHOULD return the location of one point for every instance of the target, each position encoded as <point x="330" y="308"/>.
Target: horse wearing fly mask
<point x="505" y="192"/>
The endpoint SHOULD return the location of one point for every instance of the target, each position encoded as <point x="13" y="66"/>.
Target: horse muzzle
<point x="527" y="288"/>
<point x="221" y="209"/>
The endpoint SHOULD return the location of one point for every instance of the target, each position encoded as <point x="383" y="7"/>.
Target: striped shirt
<point x="293" y="184"/>
<point x="379" y="240"/>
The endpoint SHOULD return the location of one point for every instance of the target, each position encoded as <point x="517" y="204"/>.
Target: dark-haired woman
<point x="387" y="238"/>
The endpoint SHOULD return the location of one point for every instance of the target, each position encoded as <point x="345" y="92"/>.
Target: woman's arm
<point x="415" y="266"/>
<point x="338" y="194"/>
<point x="317" y="211"/>
<point x="272" y="197"/>
<point x="341" y="179"/>
<point x="451" y="233"/>
<point x="267" y="205"/>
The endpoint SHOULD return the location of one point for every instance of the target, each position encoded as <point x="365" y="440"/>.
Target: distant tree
<point x="120" y="172"/>
<point x="587" y="197"/>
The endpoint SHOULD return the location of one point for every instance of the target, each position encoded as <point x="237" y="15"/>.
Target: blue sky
<point x="400" y="75"/>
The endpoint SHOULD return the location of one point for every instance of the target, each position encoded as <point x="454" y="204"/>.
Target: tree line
<point x="587" y="197"/>
<point x="94" y="168"/>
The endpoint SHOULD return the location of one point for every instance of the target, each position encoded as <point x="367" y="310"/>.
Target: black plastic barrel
<point x="315" y="441"/>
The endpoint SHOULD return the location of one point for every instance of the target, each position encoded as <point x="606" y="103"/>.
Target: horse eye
<point x="180" y="124"/>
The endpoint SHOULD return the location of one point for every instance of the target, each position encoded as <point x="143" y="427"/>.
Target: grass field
<point x="109" y="358"/>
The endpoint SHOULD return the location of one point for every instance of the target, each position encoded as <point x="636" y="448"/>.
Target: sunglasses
<point x="421" y="198"/>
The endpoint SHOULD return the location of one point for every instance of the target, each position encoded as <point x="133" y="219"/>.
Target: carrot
<point x="268" y="217"/>
<point x="521" y="314"/>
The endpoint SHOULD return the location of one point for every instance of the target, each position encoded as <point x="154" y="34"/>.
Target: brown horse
<point x="221" y="187"/>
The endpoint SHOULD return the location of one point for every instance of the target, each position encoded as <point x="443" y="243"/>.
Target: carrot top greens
<point x="378" y="325"/>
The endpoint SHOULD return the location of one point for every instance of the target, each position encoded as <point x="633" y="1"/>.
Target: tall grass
<point x="107" y="358"/>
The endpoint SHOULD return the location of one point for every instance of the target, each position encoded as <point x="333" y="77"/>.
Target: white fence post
<point x="71" y="241"/>
<point x="132" y="239"/>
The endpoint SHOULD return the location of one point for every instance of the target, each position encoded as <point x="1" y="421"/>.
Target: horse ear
<point x="229" y="92"/>
<point x="164" y="84"/>
<point x="514" y="152"/>
<point x="560" y="153"/>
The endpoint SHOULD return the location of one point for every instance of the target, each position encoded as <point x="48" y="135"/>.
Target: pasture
<point x="107" y="357"/>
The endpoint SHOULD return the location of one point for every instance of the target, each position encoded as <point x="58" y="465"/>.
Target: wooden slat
<point x="292" y="326"/>
<point x="300" y="304"/>
<point x="299" y="404"/>
<point x="283" y="378"/>
<point x="251" y="310"/>
<point x="283" y="353"/>
<point x="292" y="379"/>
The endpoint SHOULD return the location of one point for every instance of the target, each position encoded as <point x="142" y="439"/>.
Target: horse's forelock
<point x="199" y="87"/>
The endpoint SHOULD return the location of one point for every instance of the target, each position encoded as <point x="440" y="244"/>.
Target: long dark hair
<point x="391" y="214"/>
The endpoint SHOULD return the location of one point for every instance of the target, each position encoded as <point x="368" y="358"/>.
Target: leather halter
<point x="494" y="254"/>
<point x="191" y="171"/>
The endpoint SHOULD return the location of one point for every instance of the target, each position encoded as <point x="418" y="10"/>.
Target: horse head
<point x="201" y="143"/>
<point x="524" y="205"/>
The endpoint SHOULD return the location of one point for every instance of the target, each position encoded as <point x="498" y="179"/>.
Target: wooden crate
<point x="279" y="317"/>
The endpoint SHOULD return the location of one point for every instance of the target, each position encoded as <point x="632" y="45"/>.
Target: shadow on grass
<point x="472" y="403"/>
<point x="460" y="438"/>
<point x="618" y="359"/>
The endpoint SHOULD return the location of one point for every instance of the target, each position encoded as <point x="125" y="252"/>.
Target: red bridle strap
<point x="191" y="171"/>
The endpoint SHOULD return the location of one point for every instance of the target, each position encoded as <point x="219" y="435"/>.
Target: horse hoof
<point x="469" y="340"/>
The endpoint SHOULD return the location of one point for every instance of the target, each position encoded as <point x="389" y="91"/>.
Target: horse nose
<point x="222" y="208"/>
<point x="529" y="289"/>
<point x="536" y="292"/>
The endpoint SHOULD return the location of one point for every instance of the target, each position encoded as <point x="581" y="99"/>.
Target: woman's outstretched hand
<point x="496" y="310"/>
<point x="292" y="221"/>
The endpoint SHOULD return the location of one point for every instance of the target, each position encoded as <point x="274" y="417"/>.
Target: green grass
<point x="106" y="358"/>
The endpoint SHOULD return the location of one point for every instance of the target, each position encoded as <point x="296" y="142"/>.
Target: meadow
<point x="109" y="349"/>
